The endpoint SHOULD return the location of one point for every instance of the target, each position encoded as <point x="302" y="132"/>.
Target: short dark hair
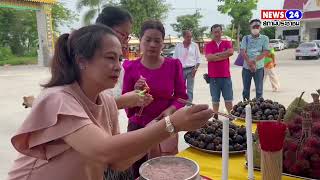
<point x="152" y="24"/>
<point x="255" y="20"/>
<point x="83" y="42"/>
<point x="184" y="32"/>
<point x="113" y="16"/>
<point x="216" y="26"/>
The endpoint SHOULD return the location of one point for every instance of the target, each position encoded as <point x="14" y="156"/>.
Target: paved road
<point x="15" y="82"/>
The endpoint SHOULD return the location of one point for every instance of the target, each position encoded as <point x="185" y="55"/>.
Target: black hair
<point x="184" y="32"/>
<point x="152" y="24"/>
<point x="255" y="20"/>
<point x="216" y="26"/>
<point x="113" y="16"/>
<point x="80" y="43"/>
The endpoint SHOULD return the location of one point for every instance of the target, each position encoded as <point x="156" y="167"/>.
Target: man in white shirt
<point x="189" y="55"/>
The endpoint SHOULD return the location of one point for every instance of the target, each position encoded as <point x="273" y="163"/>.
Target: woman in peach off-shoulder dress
<point x="72" y="131"/>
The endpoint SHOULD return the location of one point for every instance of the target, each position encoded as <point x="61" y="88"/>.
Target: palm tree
<point x="95" y="7"/>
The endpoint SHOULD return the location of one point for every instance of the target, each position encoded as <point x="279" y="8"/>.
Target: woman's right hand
<point x="191" y="118"/>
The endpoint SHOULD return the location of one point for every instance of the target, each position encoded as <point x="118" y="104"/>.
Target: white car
<point x="277" y="44"/>
<point x="308" y="49"/>
<point x="317" y="41"/>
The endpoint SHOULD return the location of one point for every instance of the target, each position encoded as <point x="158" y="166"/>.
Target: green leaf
<point x="89" y="15"/>
<point x="62" y="16"/>
<point x="90" y="3"/>
<point x="142" y="10"/>
<point x="190" y="22"/>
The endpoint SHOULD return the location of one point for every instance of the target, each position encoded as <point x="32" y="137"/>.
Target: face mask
<point x="255" y="31"/>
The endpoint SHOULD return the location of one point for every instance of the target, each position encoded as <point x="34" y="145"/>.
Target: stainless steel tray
<point x="253" y="120"/>
<point x="215" y="152"/>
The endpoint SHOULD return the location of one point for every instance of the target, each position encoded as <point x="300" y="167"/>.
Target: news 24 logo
<point x="281" y="18"/>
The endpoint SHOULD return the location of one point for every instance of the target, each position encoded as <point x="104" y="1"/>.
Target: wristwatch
<point x="169" y="126"/>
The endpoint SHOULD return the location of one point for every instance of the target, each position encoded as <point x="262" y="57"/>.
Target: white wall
<point x="312" y="5"/>
<point x="312" y="27"/>
<point x="279" y="31"/>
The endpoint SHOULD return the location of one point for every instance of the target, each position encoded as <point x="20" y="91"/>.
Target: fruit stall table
<point x="211" y="164"/>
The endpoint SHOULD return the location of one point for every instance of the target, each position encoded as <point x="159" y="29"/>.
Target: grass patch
<point x="19" y="61"/>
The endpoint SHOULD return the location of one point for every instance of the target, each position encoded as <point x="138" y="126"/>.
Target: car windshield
<point x="317" y="41"/>
<point x="307" y="45"/>
<point x="274" y="41"/>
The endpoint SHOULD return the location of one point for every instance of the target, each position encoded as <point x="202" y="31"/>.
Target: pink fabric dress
<point x="57" y="112"/>
<point x="166" y="86"/>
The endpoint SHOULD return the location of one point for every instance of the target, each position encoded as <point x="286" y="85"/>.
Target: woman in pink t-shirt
<point x="164" y="77"/>
<point x="72" y="132"/>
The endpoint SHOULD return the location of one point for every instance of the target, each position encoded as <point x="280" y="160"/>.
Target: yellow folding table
<point x="211" y="164"/>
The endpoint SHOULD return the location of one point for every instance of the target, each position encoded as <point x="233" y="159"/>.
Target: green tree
<point x="62" y="16"/>
<point x="18" y="29"/>
<point x="241" y="12"/>
<point x="190" y="22"/>
<point x="142" y="10"/>
<point x="229" y="31"/>
<point x="95" y="7"/>
<point x="269" y="31"/>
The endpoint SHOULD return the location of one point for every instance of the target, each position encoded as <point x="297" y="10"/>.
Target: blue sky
<point x="208" y="8"/>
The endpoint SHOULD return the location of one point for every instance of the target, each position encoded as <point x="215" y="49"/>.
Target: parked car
<point x="317" y="41"/>
<point x="308" y="50"/>
<point x="277" y="44"/>
<point x="293" y="44"/>
<point x="168" y="52"/>
<point x="286" y="44"/>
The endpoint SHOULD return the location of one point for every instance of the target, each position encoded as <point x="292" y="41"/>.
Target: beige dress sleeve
<point x="53" y="116"/>
<point x="114" y="113"/>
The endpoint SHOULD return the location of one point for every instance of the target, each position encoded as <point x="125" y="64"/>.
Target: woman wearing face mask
<point x="72" y="131"/>
<point x="254" y="48"/>
<point x="163" y="76"/>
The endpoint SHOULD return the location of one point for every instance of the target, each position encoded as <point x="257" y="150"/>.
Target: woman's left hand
<point x="133" y="99"/>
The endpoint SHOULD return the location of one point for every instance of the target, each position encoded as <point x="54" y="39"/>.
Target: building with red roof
<point x="310" y="23"/>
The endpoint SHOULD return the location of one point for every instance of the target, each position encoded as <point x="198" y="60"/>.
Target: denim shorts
<point x="221" y="85"/>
